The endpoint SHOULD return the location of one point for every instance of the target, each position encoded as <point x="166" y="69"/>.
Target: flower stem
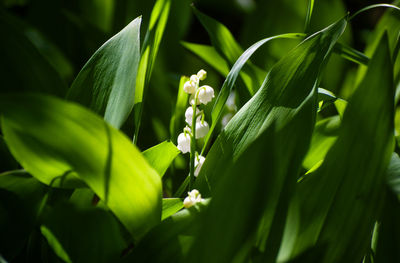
<point x="193" y="143"/>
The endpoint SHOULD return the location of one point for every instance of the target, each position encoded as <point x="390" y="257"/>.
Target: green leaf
<point x="161" y="156"/>
<point x="87" y="234"/>
<point x="231" y="79"/>
<point x="351" y="180"/>
<point x="177" y="118"/>
<point x="22" y="67"/>
<point x="262" y="145"/>
<point x="226" y="45"/>
<point x="51" y="137"/>
<point x="151" y="44"/>
<point x="279" y="99"/>
<point x="210" y="56"/>
<point x="21" y="198"/>
<point x="324" y="135"/>
<point x="223" y="236"/>
<point x="106" y="84"/>
<point x="171" y="206"/>
<point x="389" y="231"/>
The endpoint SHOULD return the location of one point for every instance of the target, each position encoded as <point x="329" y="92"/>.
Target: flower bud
<point x="189" y="115"/>
<point x="193" y="197"/>
<point x="189" y="88"/>
<point x="198" y="163"/>
<point x="184" y="142"/>
<point x="202" y="129"/>
<point x="202" y="74"/>
<point x="206" y="94"/>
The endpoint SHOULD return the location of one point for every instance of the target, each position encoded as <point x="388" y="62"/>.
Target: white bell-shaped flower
<point x="189" y="88"/>
<point x="184" y="142"/>
<point x="191" y="100"/>
<point x="206" y="94"/>
<point x="202" y="74"/>
<point x="202" y="129"/>
<point x="194" y="79"/>
<point x="189" y="115"/>
<point x="193" y="197"/>
<point x="198" y="163"/>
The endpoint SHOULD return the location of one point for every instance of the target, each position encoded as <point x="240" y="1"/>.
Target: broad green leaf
<point x="231" y="79"/>
<point x="22" y="67"/>
<point x="161" y="156"/>
<point x="262" y="145"/>
<point x="106" y="84"/>
<point x="51" y="137"/>
<point x="223" y="236"/>
<point x="151" y="44"/>
<point x="171" y="206"/>
<point x="88" y="234"/>
<point x="324" y="135"/>
<point x="279" y="99"/>
<point x="21" y="198"/>
<point x="351" y="179"/>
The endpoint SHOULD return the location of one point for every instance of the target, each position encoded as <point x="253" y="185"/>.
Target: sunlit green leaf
<point x="106" y="84"/>
<point x="161" y="156"/>
<point x="79" y="141"/>
<point x="280" y="98"/>
<point x="171" y="206"/>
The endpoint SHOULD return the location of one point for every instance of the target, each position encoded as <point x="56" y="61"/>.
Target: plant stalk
<point x="193" y="142"/>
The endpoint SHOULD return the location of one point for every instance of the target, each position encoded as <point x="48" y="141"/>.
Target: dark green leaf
<point x="340" y="202"/>
<point x="21" y="198"/>
<point x="83" y="234"/>
<point x="22" y="67"/>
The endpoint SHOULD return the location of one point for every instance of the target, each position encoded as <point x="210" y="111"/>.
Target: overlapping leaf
<point x="76" y="140"/>
<point x="339" y="203"/>
<point x="284" y="97"/>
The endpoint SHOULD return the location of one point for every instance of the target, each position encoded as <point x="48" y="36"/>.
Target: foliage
<point x="301" y="154"/>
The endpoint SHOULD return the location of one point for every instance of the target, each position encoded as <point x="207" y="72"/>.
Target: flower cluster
<point x="199" y="95"/>
<point x="193" y="197"/>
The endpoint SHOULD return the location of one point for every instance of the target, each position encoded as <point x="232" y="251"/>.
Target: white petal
<point x="188" y="202"/>
<point x="184" y="143"/>
<point x="201" y="129"/>
<point x="206" y="94"/>
<point x="189" y="88"/>
<point x="194" y="79"/>
<point x="202" y="74"/>
<point x="189" y="115"/>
